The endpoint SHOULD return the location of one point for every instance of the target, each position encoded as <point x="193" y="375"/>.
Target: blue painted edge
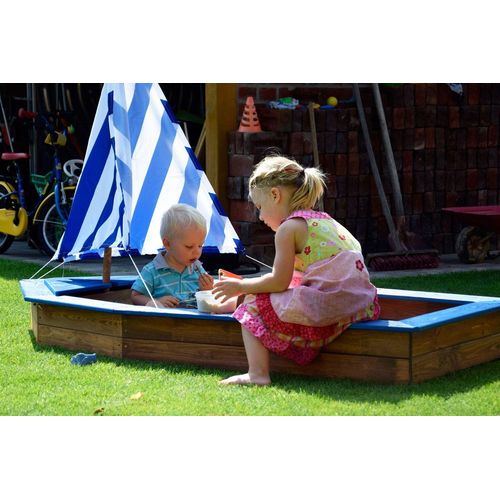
<point x="51" y="291"/>
<point x="38" y="292"/>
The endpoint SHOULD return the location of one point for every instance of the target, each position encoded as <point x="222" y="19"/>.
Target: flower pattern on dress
<point x="342" y="237"/>
<point x="307" y="250"/>
<point x="359" y="265"/>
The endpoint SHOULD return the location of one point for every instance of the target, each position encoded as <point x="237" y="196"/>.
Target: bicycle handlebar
<point x="68" y="129"/>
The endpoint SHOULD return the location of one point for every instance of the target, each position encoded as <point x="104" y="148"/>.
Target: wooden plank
<point x="400" y="309"/>
<point x="455" y="333"/>
<point x="79" y="340"/>
<point x="34" y="320"/>
<point x="181" y="330"/>
<point x="229" y="333"/>
<point x="221" y="118"/>
<point x="368" y="368"/>
<point x="89" y="321"/>
<point x="371" y="342"/>
<point x="450" y="359"/>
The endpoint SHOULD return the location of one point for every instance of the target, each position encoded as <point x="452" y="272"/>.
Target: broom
<point x="403" y="243"/>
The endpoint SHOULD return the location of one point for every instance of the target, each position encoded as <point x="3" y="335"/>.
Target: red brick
<point x="417" y="203"/>
<point x="244" y="92"/>
<point x="429" y="202"/>
<point x="409" y="95"/>
<point x="352" y="139"/>
<point x="431" y="93"/>
<point x="419" y="182"/>
<point x="340" y="164"/>
<point x="330" y="144"/>
<point x="276" y="120"/>
<point x="296" y="144"/>
<point x="471" y="158"/>
<point x="353" y="164"/>
<point x="454" y="116"/>
<point x="451" y="199"/>
<point x="483" y="137"/>
<point x="419" y="142"/>
<point x="492" y="136"/>
<point x="430" y="138"/>
<point x="471" y="179"/>
<point x="235" y="188"/>
<point x="409" y="117"/>
<point x="407" y="161"/>
<point x="473" y="93"/>
<point x="461" y="138"/>
<point x="420" y="94"/>
<point x="241" y="165"/>
<point x="242" y="211"/>
<point x="398" y="118"/>
<point x="492" y="157"/>
<point x="484" y="116"/>
<point x="485" y="93"/>
<point x="492" y="177"/>
<point x="482" y="197"/>
<point x="407" y="185"/>
<point x="472" y="137"/>
<point x="267" y="94"/>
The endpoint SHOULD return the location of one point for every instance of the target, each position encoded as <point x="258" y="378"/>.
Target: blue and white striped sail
<point x="138" y="163"/>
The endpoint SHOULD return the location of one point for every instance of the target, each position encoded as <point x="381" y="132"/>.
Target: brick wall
<point x="446" y="149"/>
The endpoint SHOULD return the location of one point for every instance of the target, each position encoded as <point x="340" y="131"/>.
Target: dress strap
<point x="308" y="214"/>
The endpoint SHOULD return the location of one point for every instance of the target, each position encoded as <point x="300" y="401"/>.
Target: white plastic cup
<point x="206" y="302"/>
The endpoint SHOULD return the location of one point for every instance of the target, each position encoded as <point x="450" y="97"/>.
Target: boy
<point x="175" y="274"/>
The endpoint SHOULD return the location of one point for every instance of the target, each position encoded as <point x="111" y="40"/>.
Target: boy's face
<point x="185" y="247"/>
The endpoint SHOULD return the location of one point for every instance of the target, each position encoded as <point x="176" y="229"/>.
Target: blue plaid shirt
<point x="162" y="280"/>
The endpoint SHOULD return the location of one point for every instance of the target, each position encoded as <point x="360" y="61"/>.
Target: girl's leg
<point x="258" y="363"/>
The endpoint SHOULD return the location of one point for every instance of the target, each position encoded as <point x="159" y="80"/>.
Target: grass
<point x="36" y="380"/>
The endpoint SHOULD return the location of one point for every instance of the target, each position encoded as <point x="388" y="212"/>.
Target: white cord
<point x="49" y="271"/>
<point x="144" y="283"/>
<point x="258" y="261"/>
<point x="42" y="268"/>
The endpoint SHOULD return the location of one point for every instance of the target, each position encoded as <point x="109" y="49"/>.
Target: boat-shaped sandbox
<point x="419" y="336"/>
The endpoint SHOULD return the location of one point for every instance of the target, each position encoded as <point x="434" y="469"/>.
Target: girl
<point x="319" y="284"/>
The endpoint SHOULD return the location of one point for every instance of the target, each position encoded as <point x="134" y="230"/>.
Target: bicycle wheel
<point x="5" y="239"/>
<point x="48" y="225"/>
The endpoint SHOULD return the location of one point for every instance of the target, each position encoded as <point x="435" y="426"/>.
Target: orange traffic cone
<point x="249" y="120"/>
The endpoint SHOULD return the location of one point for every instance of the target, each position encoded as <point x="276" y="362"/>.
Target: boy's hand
<point x="167" y="301"/>
<point x="205" y="281"/>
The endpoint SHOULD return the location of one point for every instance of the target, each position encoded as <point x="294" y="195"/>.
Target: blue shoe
<point x="83" y="359"/>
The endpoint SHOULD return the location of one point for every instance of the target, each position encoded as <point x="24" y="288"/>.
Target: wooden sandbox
<point x="420" y="335"/>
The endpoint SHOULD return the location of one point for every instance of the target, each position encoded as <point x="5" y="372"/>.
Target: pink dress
<point x="330" y="290"/>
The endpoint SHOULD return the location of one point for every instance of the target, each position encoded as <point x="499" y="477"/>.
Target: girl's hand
<point x="227" y="288"/>
<point x="205" y="281"/>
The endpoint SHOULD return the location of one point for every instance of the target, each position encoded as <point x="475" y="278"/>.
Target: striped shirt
<point x="163" y="280"/>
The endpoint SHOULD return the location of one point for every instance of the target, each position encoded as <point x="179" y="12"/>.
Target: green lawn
<point x="37" y="380"/>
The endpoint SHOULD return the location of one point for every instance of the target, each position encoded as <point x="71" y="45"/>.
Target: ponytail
<point x="275" y="171"/>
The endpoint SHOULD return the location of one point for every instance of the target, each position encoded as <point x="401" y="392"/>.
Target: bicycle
<point x="44" y="218"/>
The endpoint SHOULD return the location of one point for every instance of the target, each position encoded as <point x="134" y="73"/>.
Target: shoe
<point x="83" y="359"/>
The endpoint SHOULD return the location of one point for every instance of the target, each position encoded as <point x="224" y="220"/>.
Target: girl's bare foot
<point x="247" y="379"/>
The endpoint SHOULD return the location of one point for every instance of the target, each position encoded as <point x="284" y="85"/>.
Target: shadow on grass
<point x="346" y="390"/>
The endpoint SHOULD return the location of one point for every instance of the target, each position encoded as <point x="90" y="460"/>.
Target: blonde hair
<point x="180" y="216"/>
<point x="275" y="171"/>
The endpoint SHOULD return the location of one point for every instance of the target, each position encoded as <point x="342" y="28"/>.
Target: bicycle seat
<point x="15" y="156"/>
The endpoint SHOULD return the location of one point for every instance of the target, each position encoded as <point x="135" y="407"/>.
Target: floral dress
<point x="330" y="290"/>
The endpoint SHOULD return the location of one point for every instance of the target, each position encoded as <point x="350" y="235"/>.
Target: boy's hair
<point x="180" y="216"/>
<point x="275" y="171"/>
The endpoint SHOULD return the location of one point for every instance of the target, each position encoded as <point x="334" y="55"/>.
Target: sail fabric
<point x="138" y="163"/>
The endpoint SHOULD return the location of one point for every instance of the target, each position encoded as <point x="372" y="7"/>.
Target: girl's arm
<point x="288" y="240"/>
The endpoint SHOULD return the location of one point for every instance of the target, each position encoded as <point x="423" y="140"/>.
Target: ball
<point x="332" y="101"/>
